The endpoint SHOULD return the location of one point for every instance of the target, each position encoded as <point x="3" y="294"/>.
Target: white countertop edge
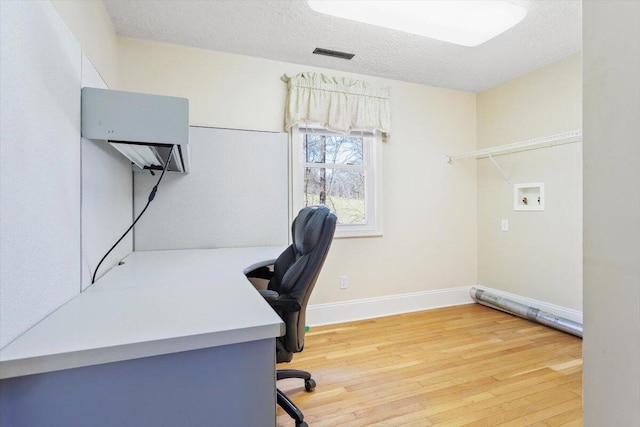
<point x="96" y="356"/>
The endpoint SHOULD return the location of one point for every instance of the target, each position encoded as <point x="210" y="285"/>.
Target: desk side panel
<point x="231" y="385"/>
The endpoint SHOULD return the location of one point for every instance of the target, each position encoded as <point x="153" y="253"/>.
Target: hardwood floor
<point x="455" y="366"/>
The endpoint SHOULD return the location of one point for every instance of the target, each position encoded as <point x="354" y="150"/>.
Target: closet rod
<point x="530" y="144"/>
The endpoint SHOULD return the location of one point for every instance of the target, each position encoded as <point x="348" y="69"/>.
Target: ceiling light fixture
<point x="467" y="23"/>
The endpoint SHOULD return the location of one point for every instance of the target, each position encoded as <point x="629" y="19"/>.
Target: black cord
<point x="152" y="195"/>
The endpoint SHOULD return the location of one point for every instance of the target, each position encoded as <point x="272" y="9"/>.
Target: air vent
<point x="333" y="53"/>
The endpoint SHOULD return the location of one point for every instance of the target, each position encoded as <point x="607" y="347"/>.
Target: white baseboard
<point x="369" y="308"/>
<point x="556" y="310"/>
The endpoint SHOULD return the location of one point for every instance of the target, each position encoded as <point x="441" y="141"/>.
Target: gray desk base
<point x="191" y="388"/>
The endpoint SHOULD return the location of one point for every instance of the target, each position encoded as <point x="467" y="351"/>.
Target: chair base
<point x="290" y="408"/>
<point x="309" y="383"/>
<point x="284" y="402"/>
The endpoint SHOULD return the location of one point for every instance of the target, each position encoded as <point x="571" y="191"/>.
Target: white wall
<point x="61" y="197"/>
<point x="39" y="165"/>
<point x="92" y="27"/>
<point x="107" y="208"/>
<point x="429" y="208"/>
<point x="107" y="180"/>
<point x="611" y="349"/>
<point x="540" y="257"/>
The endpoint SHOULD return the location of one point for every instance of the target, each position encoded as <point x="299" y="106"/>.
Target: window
<point x="342" y="172"/>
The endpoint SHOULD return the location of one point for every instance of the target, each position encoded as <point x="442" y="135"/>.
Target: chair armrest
<point x="260" y="273"/>
<point x="260" y="264"/>
<point x="280" y="303"/>
<point x="269" y="295"/>
<point x="260" y="270"/>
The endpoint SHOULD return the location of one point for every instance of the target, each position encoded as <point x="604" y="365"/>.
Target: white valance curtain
<point x="338" y="104"/>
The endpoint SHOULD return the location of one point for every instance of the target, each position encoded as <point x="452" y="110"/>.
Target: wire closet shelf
<point x="530" y="144"/>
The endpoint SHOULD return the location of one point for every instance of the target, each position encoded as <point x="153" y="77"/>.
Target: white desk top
<point x="158" y="302"/>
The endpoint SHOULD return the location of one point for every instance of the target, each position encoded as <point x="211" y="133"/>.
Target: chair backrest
<point x="296" y="271"/>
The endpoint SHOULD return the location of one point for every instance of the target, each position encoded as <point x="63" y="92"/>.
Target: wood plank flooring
<point x="464" y="365"/>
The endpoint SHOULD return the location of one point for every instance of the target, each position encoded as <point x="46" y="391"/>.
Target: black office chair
<point x="290" y="284"/>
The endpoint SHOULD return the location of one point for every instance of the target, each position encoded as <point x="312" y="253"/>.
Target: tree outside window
<point x="339" y="171"/>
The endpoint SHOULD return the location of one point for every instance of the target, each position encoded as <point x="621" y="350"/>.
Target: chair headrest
<point x="307" y="228"/>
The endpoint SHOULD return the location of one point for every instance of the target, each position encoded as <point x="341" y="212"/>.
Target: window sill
<point x="342" y="233"/>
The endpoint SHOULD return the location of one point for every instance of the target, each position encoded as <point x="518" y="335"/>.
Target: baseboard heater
<point x="533" y="314"/>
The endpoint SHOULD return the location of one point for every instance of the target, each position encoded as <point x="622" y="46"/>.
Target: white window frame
<point x="372" y="162"/>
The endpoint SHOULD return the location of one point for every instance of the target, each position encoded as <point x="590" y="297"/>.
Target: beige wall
<point x="611" y="35"/>
<point x="436" y="230"/>
<point x="91" y="25"/>
<point x="540" y="257"/>
<point x="429" y="208"/>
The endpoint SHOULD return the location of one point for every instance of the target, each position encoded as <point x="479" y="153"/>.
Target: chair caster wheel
<point x="309" y="384"/>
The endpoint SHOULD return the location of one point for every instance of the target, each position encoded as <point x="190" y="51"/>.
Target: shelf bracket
<point x="499" y="168"/>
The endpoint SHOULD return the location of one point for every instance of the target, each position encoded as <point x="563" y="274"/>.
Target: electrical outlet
<point x="344" y="282"/>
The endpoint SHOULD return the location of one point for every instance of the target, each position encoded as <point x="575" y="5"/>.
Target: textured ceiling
<point x="289" y="31"/>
